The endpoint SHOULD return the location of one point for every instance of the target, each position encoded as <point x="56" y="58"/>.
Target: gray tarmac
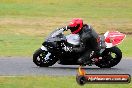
<point x="24" y="66"/>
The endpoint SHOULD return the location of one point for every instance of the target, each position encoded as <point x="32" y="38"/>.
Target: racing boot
<point x="85" y="58"/>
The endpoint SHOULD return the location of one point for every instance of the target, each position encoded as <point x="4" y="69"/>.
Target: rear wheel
<point x="39" y="58"/>
<point x="110" y="58"/>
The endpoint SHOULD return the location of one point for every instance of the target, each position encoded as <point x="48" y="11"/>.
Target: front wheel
<point x="39" y="58"/>
<point x="110" y="58"/>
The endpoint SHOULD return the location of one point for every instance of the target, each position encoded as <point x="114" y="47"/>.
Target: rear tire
<point x="110" y="58"/>
<point x="38" y="58"/>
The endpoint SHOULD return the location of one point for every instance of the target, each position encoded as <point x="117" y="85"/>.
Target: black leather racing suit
<point x="89" y="41"/>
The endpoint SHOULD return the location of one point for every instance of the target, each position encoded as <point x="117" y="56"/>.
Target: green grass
<point x="126" y="46"/>
<point x="19" y="45"/>
<point x="85" y="8"/>
<point x="51" y="82"/>
<point x="103" y="15"/>
<point x="24" y="23"/>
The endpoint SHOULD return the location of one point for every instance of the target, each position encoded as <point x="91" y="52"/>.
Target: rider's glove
<point x="66" y="28"/>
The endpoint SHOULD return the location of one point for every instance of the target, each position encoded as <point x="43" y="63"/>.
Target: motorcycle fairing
<point x="73" y="39"/>
<point x="113" y="38"/>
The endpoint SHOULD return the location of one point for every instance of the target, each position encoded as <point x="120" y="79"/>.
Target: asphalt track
<point x="23" y="66"/>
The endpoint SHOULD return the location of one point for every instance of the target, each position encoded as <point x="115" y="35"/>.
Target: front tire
<point x="110" y="58"/>
<point x="38" y="58"/>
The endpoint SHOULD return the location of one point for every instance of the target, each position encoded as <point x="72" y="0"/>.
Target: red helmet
<point x="76" y="25"/>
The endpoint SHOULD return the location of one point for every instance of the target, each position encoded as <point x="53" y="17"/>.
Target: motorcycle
<point x="54" y="50"/>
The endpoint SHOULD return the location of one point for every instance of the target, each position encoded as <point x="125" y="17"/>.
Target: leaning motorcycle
<point x="54" y="49"/>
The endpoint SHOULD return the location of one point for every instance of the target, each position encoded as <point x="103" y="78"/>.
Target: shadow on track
<point x="76" y="67"/>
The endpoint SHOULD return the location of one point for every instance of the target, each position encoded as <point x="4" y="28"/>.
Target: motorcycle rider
<point x="89" y="40"/>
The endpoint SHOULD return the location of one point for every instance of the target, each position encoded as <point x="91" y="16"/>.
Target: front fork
<point x="48" y="54"/>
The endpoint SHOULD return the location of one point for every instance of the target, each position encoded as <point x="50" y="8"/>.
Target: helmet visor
<point x="74" y="28"/>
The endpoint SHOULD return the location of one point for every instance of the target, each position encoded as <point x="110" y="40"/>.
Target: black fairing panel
<point x="68" y="59"/>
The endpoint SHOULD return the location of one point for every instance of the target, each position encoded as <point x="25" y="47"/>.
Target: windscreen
<point x="55" y="33"/>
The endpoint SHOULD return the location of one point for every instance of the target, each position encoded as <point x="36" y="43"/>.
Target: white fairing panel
<point x="44" y="48"/>
<point x="108" y="45"/>
<point x="113" y="38"/>
<point x="73" y="39"/>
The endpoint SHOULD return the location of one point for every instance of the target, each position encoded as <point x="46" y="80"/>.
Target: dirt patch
<point x="43" y="26"/>
<point x="127" y="33"/>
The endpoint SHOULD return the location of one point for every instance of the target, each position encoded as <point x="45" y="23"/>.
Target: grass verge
<point x="51" y="82"/>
